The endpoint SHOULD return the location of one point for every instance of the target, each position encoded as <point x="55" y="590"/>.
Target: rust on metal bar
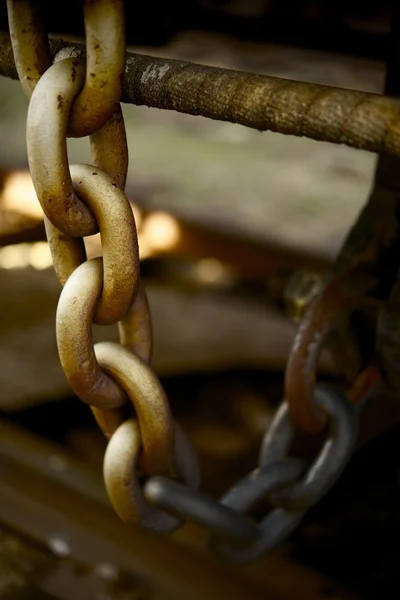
<point x="358" y="119"/>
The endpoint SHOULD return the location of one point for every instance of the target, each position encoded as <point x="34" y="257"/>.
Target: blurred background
<point x="227" y="217"/>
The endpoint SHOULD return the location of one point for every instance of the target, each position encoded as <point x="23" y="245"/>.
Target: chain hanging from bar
<point x="150" y="470"/>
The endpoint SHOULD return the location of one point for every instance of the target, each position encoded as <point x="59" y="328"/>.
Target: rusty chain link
<point x="358" y="281"/>
<point x="150" y="470"/>
<point x="355" y="311"/>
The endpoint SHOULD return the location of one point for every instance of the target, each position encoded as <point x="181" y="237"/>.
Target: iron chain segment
<point x="150" y="470"/>
<point x="81" y="200"/>
<point x="284" y="481"/>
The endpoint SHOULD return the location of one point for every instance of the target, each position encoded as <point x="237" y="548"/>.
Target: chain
<point x="359" y="282"/>
<point x="74" y="97"/>
<point x="356" y="311"/>
<point x="150" y="470"/>
<point x="283" y="481"/>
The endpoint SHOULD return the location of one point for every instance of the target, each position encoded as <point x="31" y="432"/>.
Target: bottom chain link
<point x="283" y="481"/>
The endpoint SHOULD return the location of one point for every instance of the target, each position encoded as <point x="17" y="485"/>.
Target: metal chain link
<point x="150" y="470"/>
<point x="355" y="284"/>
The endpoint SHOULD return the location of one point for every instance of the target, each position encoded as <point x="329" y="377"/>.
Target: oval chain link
<point x="119" y="241"/>
<point x="75" y="311"/>
<point x="150" y="471"/>
<point x="121" y="479"/>
<point x="46" y="137"/>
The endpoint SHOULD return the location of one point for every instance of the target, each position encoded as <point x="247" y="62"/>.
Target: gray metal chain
<point x="281" y="480"/>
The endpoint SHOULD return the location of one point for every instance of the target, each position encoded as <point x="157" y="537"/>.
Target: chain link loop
<point x="46" y="136"/>
<point x="121" y="479"/>
<point x="75" y="312"/>
<point x="119" y="241"/>
<point x="355" y="285"/>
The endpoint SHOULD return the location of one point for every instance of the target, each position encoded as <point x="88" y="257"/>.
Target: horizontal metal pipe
<point x="358" y="119"/>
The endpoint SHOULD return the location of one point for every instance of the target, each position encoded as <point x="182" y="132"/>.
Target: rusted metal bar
<point x="357" y="119"/>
